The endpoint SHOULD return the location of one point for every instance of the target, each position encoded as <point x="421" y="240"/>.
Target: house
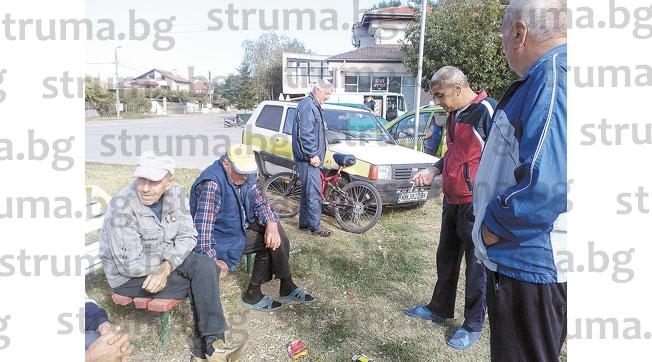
<point x="157" y="78"/>
<point x="375" y="65"/>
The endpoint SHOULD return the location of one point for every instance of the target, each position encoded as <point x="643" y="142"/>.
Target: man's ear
<point x="519" y="34"/>
<point x="169" y="182"/>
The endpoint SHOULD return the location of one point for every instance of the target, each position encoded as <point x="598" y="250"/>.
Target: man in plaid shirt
<point x="233" y="218"/>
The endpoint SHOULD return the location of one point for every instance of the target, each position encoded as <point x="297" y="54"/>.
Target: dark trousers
<point x="454" y="242"/>
<point x="527" y="320"/>
<point x="267" y="262"/>
<point x="310" y="203"/>
<point x="196" y="278"/>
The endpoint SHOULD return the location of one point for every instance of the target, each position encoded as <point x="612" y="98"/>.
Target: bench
<point x="162" y="306"/>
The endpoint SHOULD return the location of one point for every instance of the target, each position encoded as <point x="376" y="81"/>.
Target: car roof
<point x="341" y="106"/>
<point x="428" y="108"/>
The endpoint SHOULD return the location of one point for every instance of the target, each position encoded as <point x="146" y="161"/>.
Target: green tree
<point x="386" y="4"/>
<point x="465" y="34"/>
<point x="135" y="101"/>
<point x="243" y="92"/>
<point x="265" y="56"/>
<point x="99" y="97"/>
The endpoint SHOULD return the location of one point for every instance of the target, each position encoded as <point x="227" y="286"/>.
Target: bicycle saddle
<point x="344" y="160"/>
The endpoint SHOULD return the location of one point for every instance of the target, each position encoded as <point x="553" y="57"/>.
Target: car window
<point x="270" y="117"/>
<point x="289" y="120"/>
<point x="406" y="125"/>
<point x="440" y="119"/>
<point x="349" y="124"/>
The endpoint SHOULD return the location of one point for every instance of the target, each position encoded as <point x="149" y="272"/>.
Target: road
<point x="195" y="141"/>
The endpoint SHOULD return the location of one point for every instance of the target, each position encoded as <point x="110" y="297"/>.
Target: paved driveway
<point x="195" y="141"/>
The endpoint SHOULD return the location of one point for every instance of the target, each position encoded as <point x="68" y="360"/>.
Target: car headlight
<point x="380" y="172"/>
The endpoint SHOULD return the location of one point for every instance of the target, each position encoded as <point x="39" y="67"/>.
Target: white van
<point x="387" y="105"/>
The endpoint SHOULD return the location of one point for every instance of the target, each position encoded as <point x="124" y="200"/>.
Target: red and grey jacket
<point x="466" y="131"/>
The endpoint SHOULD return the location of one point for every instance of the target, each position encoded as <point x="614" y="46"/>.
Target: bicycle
<point x="356" y="205"/>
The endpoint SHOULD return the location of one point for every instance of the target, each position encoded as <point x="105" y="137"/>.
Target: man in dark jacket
<point x="467" y="127"/>
<point x="233" y="218"/>
<point x="309" y="150"/>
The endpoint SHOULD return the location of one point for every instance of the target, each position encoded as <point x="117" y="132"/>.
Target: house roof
<point x="396" y="10"/>
<point x="373" y="53"/>
<point x="175" y="77"/>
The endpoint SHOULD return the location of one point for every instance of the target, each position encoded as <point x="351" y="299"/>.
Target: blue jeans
<point x="310" y="205"/>
<point x="91" y="336"/>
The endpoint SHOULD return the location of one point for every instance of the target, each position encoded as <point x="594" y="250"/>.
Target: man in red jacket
<point x="467" y="127"/>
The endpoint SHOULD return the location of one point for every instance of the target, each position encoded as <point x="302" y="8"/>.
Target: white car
<point x="380" y="161"/>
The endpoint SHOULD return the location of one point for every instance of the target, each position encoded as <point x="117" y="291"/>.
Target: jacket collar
<point x="515" y="84"/>
<point x="167" y="198"/>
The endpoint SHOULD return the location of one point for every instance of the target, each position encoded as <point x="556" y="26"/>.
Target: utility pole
<point x="417" y="113"/>
<point x="117" y="84"/>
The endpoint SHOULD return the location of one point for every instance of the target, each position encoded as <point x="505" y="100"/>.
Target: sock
<point x="253" y="294"/>
<point x="198" y="347"/>
<point x="209" y="343"/>
<point x="287" y="286"/>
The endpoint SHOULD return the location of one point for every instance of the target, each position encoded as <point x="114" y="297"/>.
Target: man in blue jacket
<point x="309" y="150"/>
<point x="520" y="189"/>
<point x="233" y="218"/>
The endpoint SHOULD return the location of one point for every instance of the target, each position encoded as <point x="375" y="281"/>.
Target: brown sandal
<point x="322" y="232"/>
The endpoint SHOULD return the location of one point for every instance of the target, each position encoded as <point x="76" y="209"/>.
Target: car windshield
<point x="354" y="125"/>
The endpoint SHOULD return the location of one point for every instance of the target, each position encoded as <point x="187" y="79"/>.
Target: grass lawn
<point x="362" y="284"/>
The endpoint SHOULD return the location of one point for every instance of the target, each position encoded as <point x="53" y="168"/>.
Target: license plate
<point x="412" y="196"/>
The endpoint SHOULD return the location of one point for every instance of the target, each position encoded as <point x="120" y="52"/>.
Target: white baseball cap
<point x="153" y="167"/>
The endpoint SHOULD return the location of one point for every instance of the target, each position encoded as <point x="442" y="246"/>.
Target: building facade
<point x="374" y="66"/>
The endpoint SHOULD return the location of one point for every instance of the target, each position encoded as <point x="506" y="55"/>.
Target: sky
<point x="196" y="37"/>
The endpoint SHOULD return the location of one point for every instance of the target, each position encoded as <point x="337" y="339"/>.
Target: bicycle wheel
<point x="283" y="191"/>
<point x="357" y="206"/>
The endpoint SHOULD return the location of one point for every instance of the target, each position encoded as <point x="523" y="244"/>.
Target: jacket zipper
<point x="466" y="177"/>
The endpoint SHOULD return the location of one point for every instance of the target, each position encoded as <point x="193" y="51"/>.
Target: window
<point x="289" y="120"/>
<point x="394" y="85"/>
<point x="406" y="125"/>
<point x="364" y="83"/>
<point x="379" y="84"/>
<point x="350" y="83"/>
<point x="270" y="118"/>
<point x="300" y="73"/>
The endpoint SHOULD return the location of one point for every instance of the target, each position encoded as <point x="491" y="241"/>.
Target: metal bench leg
<point x="250" y="263"/>
<point x="165" y="328"/>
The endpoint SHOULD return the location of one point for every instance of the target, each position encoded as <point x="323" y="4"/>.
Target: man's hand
<point x="224" y="269"/>
<point x="424" y="177"/>
<point x="488" y="237"/>
<point x="158" y="279"/>
<point x="272" y="236"/>
<point x="111" y="346"/>
<point x="314" y="161"/>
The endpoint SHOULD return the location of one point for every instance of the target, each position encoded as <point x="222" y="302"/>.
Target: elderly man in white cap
<point x="232" y="218"/>
<point x="146" y="247"/>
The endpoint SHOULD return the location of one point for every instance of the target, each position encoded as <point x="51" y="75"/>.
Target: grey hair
<point x="322" y="84"/>
<point x="545" y="19"/>
<point x="449" y="76"/>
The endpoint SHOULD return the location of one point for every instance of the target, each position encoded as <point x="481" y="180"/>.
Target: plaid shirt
<point x="209" y="201"/>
